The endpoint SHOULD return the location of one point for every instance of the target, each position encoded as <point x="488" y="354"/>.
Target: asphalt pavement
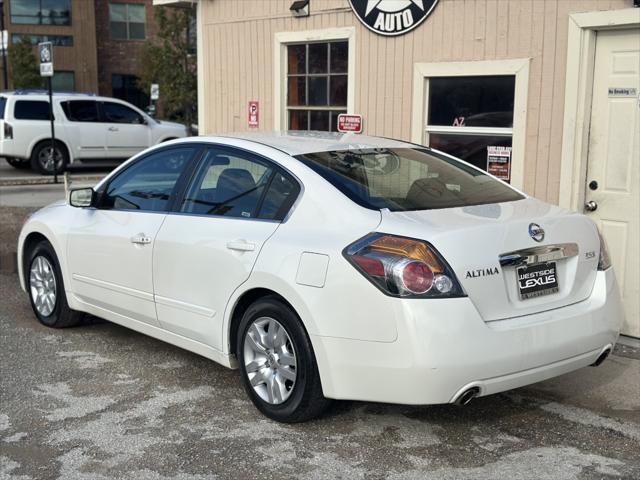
<point x="99" y="401"/>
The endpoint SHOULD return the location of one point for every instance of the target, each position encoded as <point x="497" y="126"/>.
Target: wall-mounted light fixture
<point x="300" y="8"/>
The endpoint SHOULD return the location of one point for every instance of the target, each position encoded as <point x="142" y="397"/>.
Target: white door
<point x="127" y="131"/>
<point x="205" y="252"/>
<point x="86" y="134"/>
<point x="613" y="178"/>
<point x="110" y="248"/>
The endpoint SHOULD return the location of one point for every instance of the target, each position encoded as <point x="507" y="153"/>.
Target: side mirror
<point x="82" y="197"/>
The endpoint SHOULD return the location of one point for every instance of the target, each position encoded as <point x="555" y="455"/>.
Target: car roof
<point x="302" y="142"/>
<point x="37" y="94"/>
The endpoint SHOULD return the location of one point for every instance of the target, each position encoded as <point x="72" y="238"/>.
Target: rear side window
<point x="81" y="110"/>
<point x="405" y="179"/>
<point x="3" y="105"/>
<point x="31" y="110"/>
<point x="280" y="196"/>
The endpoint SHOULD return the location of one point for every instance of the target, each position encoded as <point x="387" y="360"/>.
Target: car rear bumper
<point x="444" y="348"/>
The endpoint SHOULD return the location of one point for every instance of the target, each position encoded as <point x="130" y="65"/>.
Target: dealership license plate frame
<point x="543" y="287"/>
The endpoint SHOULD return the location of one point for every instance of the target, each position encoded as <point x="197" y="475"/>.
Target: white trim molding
<point x="581" y="48"/>
<point x="282" y="39"/>
<point x="518" y="67"/>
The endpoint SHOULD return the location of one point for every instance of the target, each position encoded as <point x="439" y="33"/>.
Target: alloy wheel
<point x="42" y="282"/>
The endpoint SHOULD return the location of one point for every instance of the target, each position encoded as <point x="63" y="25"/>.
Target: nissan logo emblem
<point x="536" y="232"/>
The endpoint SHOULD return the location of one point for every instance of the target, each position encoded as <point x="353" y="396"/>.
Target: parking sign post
<point x="45" y="50"/>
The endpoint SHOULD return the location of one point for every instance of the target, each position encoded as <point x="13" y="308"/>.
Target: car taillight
<point x="8" y="131"/>
<point x="604" y="261"/>
<point x="403" y="267"/>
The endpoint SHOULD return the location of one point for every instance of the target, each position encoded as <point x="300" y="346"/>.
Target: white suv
<point x="86" y="127"/>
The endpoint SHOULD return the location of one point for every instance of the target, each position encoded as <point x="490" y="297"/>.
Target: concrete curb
<point x="22" y="181"/>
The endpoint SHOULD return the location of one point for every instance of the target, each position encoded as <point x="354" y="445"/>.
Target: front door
<point x="87" y="134"/>
<point x="127" y="131"/>
<point x="110" y="248"/>
<point x="204" y="252"/>
<point x="613" y="178"/>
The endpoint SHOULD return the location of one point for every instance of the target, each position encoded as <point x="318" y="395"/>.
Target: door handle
<point x="141" y="239"/>
<point x="113" y="129"/>
<point x="591" y="206"/>
<point x="241" y="246"/>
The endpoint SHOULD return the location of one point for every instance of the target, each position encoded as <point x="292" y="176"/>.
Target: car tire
<point x="268" y="382"/>
<point x="46" y="288"/>
<point x="19" y="163"/>
<point x="40" y="154"/>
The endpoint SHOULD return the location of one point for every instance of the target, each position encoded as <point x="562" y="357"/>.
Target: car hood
<point x="472" y="240"/>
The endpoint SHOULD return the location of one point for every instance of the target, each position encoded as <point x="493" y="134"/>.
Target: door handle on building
<point x="591" y="206"/>
<point x="141" y="239"/>
<point x="241" y="246"/>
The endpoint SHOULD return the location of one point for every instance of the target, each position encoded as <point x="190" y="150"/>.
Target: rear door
<point x="85" y="133"/>
<point x="110" y="247"/>
<point x="127" y="130"/>
<point x="208" y="246"/>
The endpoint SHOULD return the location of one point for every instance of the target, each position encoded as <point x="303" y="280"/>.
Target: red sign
<point x="350" y="123"/>
<point x="254" y="114"/>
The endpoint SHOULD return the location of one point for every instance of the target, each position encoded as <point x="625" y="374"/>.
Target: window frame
<point x="178" y="189"/>
<point x="517" y="67"/>
<point x="282" y="41"/>
<point x="250" y="156"/>
<point x="128" y="22"/>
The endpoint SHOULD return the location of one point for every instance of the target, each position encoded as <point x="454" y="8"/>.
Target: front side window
<point x="403" y="179"/>
<point x="31" y="110"/>
<point x="472" y="118"/>
<point x="317" y="79"/>
<point x="41" y="12"/>
<point x="81" y="110"/>
<point x="118" y="113"/>
<point x="148" y="184"/>
<point x="127" y="21"/>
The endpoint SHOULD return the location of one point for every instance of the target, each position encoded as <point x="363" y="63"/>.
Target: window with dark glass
<point x="469" y="117"/>
<point x="63" y="81"/>
<point x="118" y="113"/>
<point x="31" y="110"/>
<point x="148" y="184"/>
<point x="281" y="194"/>
<point x="41" y="12"/>
<point x="127" y="21"/>
<point x="317" y="79"/>
<point x="56" y="40"/>
<point x="3" y="106"/>
<point x="81" y="110"/>
<point x="125" y="87"/>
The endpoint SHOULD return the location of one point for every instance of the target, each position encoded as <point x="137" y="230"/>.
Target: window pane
<point x="3" y="105"/>
<point x="279" y="198"/>
<point x="136" y="31"/>
<point x="136" y="13"/>
<point x="318" y="91"/>
<point x="407" y="179"/>
<point x="338" y="90"/>
<point x="298" y="120"/>
<point x="296" y="91"/>
<point x="63" y="82"/>
<point x="297" y="58"/>
<point x="125" y="87"/>
<point x="41" y="12"/>
<point x="56" y="12"/>
<point x="227" y="185"/>
<point x="319" y="120"/>
<point x="118" y="12"/>
<point x="147" y="185"/>
<point x="81" y="110"/>
<point x="117" y="113"/>
<point x="31" y="110"/>
<point x="334" y="120"/>
<point x="118" y="30"/>
<point x="339" y="57"/>
<point x="318" y="58"/>
<point x="471" y="101"/>
<point x="471" y="148"/>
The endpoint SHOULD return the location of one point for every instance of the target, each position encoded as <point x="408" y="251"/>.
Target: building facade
<point x="542" y="93"/>
<point x="97" y="43"/>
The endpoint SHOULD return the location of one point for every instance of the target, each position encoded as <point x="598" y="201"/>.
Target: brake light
<point x="8" y="131"/>
<point x="403" y="267"/>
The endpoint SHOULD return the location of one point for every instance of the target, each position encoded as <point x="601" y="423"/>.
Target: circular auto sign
<point x="392" y="17"/>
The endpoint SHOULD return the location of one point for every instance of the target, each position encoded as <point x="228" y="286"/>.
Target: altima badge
<point x="536" y="232"/>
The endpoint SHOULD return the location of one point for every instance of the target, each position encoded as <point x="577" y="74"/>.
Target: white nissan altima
<point x="329" y="267"/>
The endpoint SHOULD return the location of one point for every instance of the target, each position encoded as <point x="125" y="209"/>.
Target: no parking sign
<point x="254" y="114"/>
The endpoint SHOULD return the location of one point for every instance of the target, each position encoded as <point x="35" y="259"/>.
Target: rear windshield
<point x="31" y="110"/>
<point x="405" y="179"/>
<point x="3" y="104"/>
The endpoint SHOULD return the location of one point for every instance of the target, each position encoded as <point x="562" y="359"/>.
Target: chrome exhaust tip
<point x="465" y="397"/>
<point x="603" y="356"/>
